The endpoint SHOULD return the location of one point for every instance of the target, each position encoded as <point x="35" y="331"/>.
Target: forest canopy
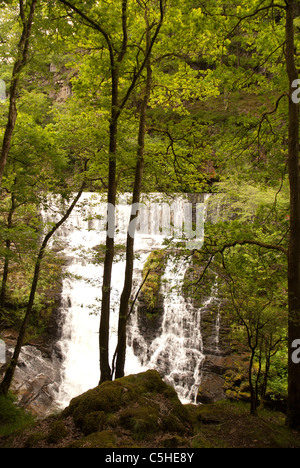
<point x="168" y="96"/>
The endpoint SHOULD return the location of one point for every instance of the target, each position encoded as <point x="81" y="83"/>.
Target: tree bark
<point x="22" y="58"/>
<point x="9" y="374"/>
<point x="293" y="413"/>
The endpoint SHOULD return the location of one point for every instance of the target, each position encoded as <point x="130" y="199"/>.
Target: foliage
<point x="216" y="122"/>
<point x="12" y="418"/>
<point x="152" y="272"/>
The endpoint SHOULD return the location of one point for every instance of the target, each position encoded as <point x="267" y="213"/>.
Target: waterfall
<point x="176" y="352"/>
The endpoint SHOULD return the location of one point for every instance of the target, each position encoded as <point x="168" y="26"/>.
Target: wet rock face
<point x="217" y="353"/>
<point x="35" y="380"/>
<point x="149" y="323"/>
<point x="214" y="332"/>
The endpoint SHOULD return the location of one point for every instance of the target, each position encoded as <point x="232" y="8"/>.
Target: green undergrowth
<point x="228" y="424"/>
<point x="12" y="418"/>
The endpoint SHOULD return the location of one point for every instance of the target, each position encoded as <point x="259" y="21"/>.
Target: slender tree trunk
<point x="105" y="369"/>
<point x="127" y="289"/>
<point x="22" y="58"/>
<point x="293" y="414"/>
<point x="266" y="375"/>
<point x="6" y="259"/>
<point x="253" y="396"/>
<point x="106" y="372"/>
<point x="9" y="374"/>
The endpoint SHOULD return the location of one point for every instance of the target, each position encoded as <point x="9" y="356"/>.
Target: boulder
<point x="142" y="405"/>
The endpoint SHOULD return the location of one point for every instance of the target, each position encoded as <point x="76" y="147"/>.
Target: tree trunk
<point x="253" y="399"/>
<point x="293" y="413"/>
<point x="9" y="374"/>
<point x="105" y="370"/>
<point x="22" y="57"/>
<point x="127" y="289"/>
<point x="6" y="259"/>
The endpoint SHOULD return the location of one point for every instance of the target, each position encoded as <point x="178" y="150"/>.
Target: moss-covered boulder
<point x="138" y="406"/>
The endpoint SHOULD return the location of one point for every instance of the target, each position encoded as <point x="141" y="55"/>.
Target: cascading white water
<point x="176" y="353"/>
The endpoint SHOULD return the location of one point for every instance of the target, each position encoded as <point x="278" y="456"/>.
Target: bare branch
<point x="264" y="245"/>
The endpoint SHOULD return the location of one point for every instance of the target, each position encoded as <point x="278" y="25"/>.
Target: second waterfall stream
<point x="177" y="351"/>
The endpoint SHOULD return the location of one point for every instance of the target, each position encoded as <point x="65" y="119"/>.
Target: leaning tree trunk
<point x="293" y="413"/>
<point x="21" y="61"/>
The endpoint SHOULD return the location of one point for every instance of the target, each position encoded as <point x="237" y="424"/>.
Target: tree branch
<point x="264" y="245"/>
<point x="90" y="22"/>
<point x="125" y="32"/>
<point x="251" y="15"/>
<point x="147" y="55"/>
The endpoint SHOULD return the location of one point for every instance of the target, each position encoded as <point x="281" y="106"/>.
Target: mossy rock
<point x="173" y="422"/>
<point x="150" y="292"/>
<point x="174" y="442"/>
<point x="146" y="382"/>
<point x="142" y="404"/>
<point x="34" y="439"/>
<point x="94" y="422"/>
